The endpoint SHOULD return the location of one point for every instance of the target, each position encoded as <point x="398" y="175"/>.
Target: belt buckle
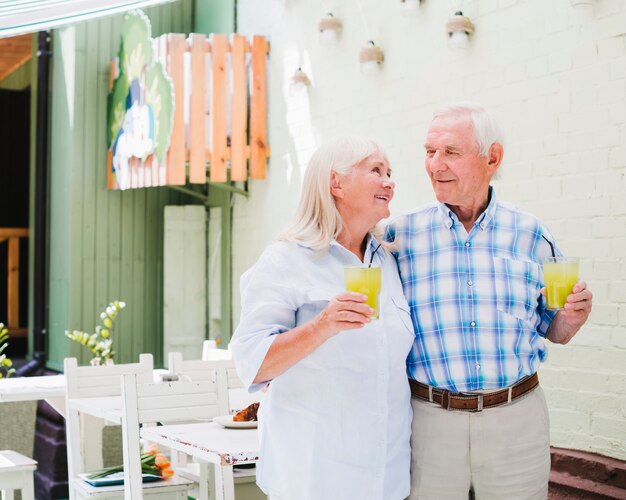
<point x="479" y="406"/>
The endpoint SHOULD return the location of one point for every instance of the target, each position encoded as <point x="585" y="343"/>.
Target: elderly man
<point x="471" y="270"/>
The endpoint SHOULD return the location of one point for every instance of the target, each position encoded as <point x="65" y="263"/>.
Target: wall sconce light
<point x="371" y="58"/>
<point x="330" y="27"/>
<point x="459" y="29"/>
<point x="300" y="81"/>
<point x="410" y="5"/>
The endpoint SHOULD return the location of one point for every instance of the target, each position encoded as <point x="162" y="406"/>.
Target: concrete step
<point x="579" y="475"/>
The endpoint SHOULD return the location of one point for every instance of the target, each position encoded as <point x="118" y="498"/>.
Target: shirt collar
<point x="449" y="218"/>
<point x="372" y="245"/>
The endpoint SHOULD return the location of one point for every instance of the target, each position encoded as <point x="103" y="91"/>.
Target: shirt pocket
<point x="517" y="285"/>
<point x="404" y="312"/>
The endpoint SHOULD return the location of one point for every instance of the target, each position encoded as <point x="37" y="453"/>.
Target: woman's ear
<point x="336" y="188"/>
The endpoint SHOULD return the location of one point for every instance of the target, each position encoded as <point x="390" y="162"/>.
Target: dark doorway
<point x="14" y="207"/>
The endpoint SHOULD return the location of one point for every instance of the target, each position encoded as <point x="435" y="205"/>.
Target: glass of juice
<point x="560" y="274"/>
<point x="366" y="280"/>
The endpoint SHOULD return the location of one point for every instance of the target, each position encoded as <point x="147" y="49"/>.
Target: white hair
<point x="487" y="130"/>
<point x="317" y="219"/>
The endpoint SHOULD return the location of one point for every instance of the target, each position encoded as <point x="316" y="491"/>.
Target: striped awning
<point x="27" y="16"/>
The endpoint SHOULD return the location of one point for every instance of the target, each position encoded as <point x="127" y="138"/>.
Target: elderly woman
<point x="335" y="421"/>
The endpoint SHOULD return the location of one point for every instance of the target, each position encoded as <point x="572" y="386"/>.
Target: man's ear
<point x="336" y="188"/>
<point x="494" y="159"/>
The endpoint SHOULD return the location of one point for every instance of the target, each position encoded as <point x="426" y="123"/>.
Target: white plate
<point x="227" y="421"/>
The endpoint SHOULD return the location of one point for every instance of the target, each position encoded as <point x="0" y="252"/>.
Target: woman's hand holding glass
<point x="346" y="311"/>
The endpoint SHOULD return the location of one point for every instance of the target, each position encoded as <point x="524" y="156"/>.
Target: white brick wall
<point x="555" y="76"/>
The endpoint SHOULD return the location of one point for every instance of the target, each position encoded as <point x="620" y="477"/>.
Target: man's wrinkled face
<point x="459" y="175"/>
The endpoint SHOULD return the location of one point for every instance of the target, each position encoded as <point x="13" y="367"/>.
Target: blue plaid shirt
<point x="478" y="316"/>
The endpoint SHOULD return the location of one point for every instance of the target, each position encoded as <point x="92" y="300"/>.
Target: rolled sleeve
<point x="268" y="308"/>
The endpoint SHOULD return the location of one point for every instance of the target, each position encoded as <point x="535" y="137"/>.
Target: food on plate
<point x="248" y="414"/>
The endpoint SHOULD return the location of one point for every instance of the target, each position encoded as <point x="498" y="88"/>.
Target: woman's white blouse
<point x="336" y="425"/>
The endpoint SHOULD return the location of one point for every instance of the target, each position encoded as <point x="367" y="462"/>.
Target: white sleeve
<point x="268" y="308"/>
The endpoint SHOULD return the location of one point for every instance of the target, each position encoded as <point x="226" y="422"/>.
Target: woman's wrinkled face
<point x="366" y="191"/>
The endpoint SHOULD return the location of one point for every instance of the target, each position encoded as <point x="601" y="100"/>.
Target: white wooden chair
<point x="211" y="352"/>
<point x="217" y="365"/>
<point x="170" y="402"/>
<point x="16" y="473"/>
<point x="101" y="385"/>
<point x="219" y="368"/>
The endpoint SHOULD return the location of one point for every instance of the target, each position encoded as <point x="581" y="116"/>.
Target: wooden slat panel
<point x="219" y="47"/>
<point x="238" y="134"/>
<point x="13" y="313"/>
<point x="197" y="163"/>
<point x="146" y="168"/>
<point x="258" y="110"/>
<point x="13" y="232"/>
<point x="175" y="173"/>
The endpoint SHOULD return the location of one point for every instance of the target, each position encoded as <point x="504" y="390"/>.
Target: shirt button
<point x="477" y="366"/>
<point x="470" y="282"/>
<point x="467" y="243"/>
<point x="472" y="323"/>
<point x="482" y="225"/>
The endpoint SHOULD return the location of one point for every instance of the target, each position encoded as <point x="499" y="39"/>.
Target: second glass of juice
<point x="560" y="274"/>
<point x="366" y="280"/>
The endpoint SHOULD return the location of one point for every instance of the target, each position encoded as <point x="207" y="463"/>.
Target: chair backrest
<point x="169" y="402"/>
<point x="102" y="381"/>
<point x="92" y="382"/>
<point x="222" y="371"/>
<point x="211" y="352"/>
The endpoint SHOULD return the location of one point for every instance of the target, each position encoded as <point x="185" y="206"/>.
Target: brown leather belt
<point x="461" y="401"/>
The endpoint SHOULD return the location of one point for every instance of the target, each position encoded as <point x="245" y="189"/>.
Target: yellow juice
<point x="365" y="280"/>
<point x="560" y="275"/>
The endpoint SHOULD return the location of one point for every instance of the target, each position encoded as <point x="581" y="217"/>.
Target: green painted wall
<point x="214" y="16"/>
<point x="103" y="245"/>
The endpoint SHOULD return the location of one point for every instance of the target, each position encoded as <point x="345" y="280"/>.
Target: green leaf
<point x="136" y="44"/>
<point x="116" y="108"/>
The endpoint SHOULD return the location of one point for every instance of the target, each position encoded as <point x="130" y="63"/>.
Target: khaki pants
<point x="503" y="452"/>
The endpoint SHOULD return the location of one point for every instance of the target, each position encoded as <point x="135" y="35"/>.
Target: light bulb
<point x="300" y="82"/>
<point x="458" y="40"/>
<point x="371" y="58"/>
<point x="410" y="5"/>
<point x="330" y="27"/>
<point x="459" y="27"/>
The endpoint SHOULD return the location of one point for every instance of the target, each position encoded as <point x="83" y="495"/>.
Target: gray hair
<point x="317" y="219"/>
<point x="487" y="130"/>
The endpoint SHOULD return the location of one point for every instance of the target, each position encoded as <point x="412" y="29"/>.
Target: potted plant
<point x="100" y="343"/>
<point x="6" y="365"/>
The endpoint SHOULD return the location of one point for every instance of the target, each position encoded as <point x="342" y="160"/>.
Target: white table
<point x="97" y="412"/>
<point x="212" y="443"/>
<point x="51" y="388"/>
